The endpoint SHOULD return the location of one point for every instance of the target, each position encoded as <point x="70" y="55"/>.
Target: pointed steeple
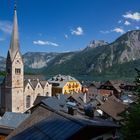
<point x="14" y="45"/>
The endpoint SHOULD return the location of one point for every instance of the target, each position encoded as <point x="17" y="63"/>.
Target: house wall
<point x="48" y="90"/>
<point x="105" y="92"/>
<point x="2" y="137"/>
<point x="56" y="90"/>
<point x="72" y="86"/>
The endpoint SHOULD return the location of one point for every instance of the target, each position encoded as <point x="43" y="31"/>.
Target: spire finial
<point x="15" y="4"/>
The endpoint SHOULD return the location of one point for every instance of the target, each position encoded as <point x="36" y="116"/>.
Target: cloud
<point x="66" y="36"/>
<point x="127" y="23"/>
<point x="78" y="31"/>
<point x="137" y="27"/>
<point x="118" y="30"/>
<point x="134" y="16"/>
<point x="43" y="43"/>
<point x="105" y="32"/>
<point x="120" y="21"/>
<point x="6" y="26"/>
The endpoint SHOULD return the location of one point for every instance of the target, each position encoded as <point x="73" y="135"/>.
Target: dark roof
<point x="59" y="126"/>
<point x="34" y="77"/>
<point x="78" y="97"/>
<point x="54" y="127"/>
<point x="12" y="120"/>
<point x="43" y="83"/>
<point x="39" y="99"/>
<point x="113" y="107"/>
<point x="54" y="103"/>
<point x="61" y="80"/>
<point x="114" y="83"/>
<point x="34" y="83"/>
<point x="38" y="114"/>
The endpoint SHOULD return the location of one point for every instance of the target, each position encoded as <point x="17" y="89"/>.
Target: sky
<point x="66" y="25"/>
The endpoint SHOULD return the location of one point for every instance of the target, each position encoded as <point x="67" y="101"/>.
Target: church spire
<point x="14" y="45"/>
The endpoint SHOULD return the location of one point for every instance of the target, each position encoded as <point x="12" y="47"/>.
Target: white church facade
<point x="19" y="91"/>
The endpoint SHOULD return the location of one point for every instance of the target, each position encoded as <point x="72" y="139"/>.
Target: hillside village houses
<point x="34" y="108"/>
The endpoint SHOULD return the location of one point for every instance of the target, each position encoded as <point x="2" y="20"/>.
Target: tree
<point x="131" y="129"/>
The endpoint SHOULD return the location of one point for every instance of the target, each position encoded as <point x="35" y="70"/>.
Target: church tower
<point x="12" y="95"/>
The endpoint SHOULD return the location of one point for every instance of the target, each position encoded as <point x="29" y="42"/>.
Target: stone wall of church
<point x="48" y="90"/>
<point x="31" y="93"/>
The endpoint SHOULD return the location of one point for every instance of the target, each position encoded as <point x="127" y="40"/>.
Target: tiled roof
<point x="78" y="97"/>
<point x="61" y="80"/>
<point x="34" y="77"/>
<point x="113" y="107"/>
<point x="55" y="127"/>
<point x="39" y="114"/>
<point x="12" y="120"/>
<point x="34" y="83"/>
<point x="39" y="99"/>
<point x="43" y="83"/>
<point x="54" y="103"/>
<point x="60" y="126"/>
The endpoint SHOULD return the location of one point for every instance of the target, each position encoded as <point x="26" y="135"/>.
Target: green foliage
<point x="2" y="73"/>
<point x="131" y="130"/>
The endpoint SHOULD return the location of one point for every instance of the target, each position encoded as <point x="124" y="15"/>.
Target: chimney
<point x="72" y="111"/>
<point x="84" y="97"/>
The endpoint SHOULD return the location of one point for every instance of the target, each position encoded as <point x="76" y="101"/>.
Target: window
<point x="17" y="71"/>
<point x="28" y="101"/>
<point x="47" y="93"/>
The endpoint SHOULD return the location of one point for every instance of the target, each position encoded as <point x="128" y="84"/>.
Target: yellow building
<point x="64" y="84"/>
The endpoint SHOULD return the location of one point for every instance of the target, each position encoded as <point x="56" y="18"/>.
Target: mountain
<point x="99" y="58"/>
<point x="38" y="60"/>
<point x="95" y="44"/>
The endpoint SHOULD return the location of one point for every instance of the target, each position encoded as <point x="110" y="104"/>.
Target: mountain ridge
<point x="95" y="59"/>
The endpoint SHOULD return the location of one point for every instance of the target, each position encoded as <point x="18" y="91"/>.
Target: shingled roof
<point x="60" y="126"/>
<point x="12" y="119"/>
<point x="61" y="80"/>
<point x="113" y="107"/>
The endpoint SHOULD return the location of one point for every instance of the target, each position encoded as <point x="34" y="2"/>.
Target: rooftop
<point x="61" y="80"/>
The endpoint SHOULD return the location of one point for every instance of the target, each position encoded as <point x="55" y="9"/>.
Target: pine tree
<point x="131" y="130"/>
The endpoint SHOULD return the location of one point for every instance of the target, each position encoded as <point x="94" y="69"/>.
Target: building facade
<point x="18" y="93"/>
<point x="64" y="84"/>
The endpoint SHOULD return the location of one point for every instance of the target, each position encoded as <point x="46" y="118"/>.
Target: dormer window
<point x="17" y="71"/>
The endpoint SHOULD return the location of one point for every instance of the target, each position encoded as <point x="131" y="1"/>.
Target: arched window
<point x="47" y="93"/>
<point x="28" y="101"/>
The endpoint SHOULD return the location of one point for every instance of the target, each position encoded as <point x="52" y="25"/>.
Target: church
<point x="19" y="91"/>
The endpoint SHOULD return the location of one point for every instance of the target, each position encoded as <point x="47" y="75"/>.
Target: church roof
<point x="34" y="77"/>
<point x="43" y="83"/>
<point x="14" y="45"/>
<point x="34" y="83"/>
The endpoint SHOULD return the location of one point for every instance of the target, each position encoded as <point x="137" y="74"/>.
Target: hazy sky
<point x="66" y="25"/>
